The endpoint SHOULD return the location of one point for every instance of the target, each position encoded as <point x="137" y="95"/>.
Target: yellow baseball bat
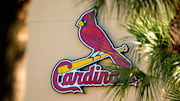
<point x="82" y="62"/>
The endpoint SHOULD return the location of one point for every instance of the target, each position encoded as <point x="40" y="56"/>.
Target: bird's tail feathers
<point x="120" y="60"/>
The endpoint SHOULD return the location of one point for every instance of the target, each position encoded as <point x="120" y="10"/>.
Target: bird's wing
<point x="98" y="39"/>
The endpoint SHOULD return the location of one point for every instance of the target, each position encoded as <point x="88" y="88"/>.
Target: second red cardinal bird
<point x="93" y="36"/>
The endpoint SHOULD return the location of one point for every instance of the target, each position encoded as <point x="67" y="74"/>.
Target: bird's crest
<point x="89" y="14"/>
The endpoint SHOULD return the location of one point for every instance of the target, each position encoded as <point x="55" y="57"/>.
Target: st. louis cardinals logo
<point x="67" y="76"/>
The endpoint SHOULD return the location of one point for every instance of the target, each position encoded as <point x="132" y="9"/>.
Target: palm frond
<point x="163" y="69"/>
<point x="173" y="93"/>
<point x="154" y="43"/>
<point x="126" y="8"/>
<point x="145" y="87"/>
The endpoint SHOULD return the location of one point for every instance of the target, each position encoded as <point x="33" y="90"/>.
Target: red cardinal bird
<point x="93" y="36"/>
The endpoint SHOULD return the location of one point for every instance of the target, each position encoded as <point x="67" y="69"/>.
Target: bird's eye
<point x="85" y="21"/>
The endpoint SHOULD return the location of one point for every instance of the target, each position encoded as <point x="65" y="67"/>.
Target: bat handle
<point x="67" y="63"/>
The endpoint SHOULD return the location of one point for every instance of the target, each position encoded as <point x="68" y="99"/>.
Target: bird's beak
<point x="81" y="23"/>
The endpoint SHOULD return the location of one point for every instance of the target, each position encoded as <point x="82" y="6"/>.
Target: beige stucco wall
<point x="53" y="36"/>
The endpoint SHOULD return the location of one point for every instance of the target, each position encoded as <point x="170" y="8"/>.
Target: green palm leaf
<point x="163" y="66"/>
<point x="154" y="43"/>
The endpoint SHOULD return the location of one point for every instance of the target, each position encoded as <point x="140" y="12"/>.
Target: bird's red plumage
<point x="95" y="37"/>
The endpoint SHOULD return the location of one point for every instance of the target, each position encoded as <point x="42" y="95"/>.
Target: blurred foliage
<point x="154" y="44"/>
<point x="163" y="70"/>
<point x="127" y="8"/>
<point x="11" y="52"/>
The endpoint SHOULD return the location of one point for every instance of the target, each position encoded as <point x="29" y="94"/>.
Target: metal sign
<point x="67" y="76"/>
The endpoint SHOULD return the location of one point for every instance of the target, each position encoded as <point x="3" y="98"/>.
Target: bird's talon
<point x="101" y="53"/>
<point x="95" y="54"/>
